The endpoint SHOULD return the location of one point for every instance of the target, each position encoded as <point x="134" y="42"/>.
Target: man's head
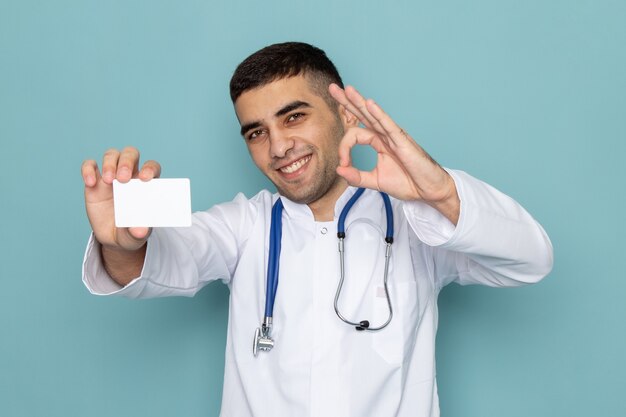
<point x="285" y="60"/>
<point x="291" y="124"/>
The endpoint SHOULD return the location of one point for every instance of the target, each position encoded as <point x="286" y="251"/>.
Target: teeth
<point x="296" y="165"/>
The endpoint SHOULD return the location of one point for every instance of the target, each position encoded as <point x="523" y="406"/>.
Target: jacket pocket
<point x="394" y="341"/>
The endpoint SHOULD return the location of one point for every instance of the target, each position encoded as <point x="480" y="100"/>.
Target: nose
<point x="280" y="144"/>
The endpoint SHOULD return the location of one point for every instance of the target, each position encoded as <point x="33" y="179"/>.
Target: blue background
<point x="527" y="95"/>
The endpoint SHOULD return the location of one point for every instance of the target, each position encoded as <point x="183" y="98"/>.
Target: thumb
<point x="358" y="178"/>
<point x="351" y="174"/>
<point x="139" y="233"/>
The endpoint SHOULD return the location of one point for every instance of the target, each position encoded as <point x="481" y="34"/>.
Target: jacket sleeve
<point x="495" y="242"/>
<point x="180" y="261"/>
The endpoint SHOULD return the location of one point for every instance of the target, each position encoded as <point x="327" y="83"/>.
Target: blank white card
<point x="161" y="202"/>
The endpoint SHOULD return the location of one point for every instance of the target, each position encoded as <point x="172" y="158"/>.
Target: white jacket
<point x="320" y="366"/>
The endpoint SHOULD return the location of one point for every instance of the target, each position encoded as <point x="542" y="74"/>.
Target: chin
<point x="301" y="195"/>
<point x="308" y="192"/>
<point x="297" y="198"/>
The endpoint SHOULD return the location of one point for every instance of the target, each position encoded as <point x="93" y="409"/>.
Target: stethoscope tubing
<point x="262" y="338"/>
<point x="341" y="234"/>
<point x="276" y="232"/>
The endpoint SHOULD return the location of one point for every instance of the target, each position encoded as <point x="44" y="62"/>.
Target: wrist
<point x="448" y="203"/>
<point x="123" y="265"/>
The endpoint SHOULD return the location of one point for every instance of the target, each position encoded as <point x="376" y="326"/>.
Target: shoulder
<point x="240" y="209"/>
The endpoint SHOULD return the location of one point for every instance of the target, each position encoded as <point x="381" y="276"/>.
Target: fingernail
<point x="124" y="172"/>
<point x="144" y="176"/>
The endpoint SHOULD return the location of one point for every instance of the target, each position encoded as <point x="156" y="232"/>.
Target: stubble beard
<point x="325" y="177"/>
<point x="323" y="180"/>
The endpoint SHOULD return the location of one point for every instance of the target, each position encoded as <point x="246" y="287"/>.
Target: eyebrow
<point x="283" y="111"/>
<point x="292" y="106"/>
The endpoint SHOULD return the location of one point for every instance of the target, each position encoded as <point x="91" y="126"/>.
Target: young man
<point x="299" y="125"/>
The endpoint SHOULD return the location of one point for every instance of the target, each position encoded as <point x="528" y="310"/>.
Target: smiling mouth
<point x="296" y="165"/>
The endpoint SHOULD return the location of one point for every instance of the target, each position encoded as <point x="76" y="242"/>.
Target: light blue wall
<point x="527" y="95"/>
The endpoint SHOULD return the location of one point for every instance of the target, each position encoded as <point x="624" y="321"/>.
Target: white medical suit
<point x="320" y="366"/>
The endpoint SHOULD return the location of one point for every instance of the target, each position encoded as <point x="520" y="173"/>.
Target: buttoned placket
<point x="325" y="395"/>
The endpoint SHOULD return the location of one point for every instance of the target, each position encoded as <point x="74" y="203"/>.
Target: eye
<point x="295" y="116"/>
<point x="255" y="134"/>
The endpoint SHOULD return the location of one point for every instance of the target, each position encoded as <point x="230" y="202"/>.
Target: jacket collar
<point x="302" y="211"/>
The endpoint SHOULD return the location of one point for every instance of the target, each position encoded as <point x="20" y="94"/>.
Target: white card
<point x="161" y="202"/>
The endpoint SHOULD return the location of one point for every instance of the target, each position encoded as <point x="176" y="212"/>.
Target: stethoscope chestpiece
<point x="363" y="325"/>
<point x="262" y="340"/>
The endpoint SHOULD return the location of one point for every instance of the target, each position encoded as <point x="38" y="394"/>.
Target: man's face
<point x="293" y="136"/>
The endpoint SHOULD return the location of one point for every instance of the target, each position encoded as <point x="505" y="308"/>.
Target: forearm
<point x="123" y="266"/>
<point x="495" y="242"/>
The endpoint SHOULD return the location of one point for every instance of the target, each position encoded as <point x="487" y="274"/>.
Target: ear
<point x="348" y="119"/>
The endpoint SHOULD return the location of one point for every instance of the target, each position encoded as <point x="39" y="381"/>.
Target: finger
<point x="340" y="96"/>
<point x="357" y="178"/>
<point x="90" y="173"/>
<point x="150" y="169"/>
<point x="360" y="103"/>
<point x="391" y="129"/>
<point x="109" y="165"/>
<point x="359" y="136"/>
<point x="127" y="164"/>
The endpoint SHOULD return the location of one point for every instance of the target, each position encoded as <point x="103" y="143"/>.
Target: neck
<point x="324" y="208"/>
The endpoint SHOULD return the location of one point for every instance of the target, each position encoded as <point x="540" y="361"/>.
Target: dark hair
<point x="284" y="60"/>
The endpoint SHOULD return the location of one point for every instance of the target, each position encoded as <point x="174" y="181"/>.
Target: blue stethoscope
<point x="262" y="335"/>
